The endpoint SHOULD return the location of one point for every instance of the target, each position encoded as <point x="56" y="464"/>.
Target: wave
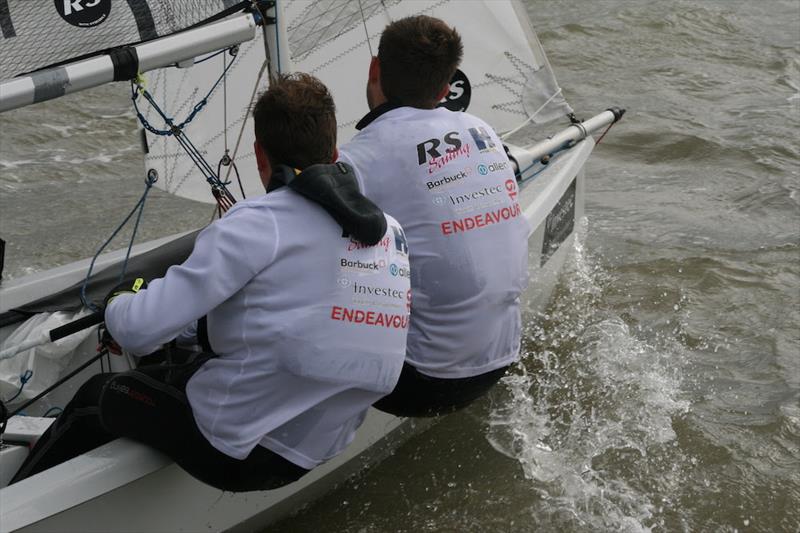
<point x="590" y="407"/>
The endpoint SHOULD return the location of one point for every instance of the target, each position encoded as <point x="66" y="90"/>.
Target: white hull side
<point x="124" y="486"/>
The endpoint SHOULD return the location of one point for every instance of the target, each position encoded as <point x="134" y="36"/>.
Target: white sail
<point x="505" y="79"/>
<point x="225" y="121"/>
<point x="506" y="74"/>
<point x="39" y="33"/>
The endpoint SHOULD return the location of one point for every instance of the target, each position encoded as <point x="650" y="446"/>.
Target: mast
<point x="276" y="44"/>
<point x="125" y="63"/>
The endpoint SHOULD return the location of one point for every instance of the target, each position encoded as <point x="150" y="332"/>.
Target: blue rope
<point x="23" y="379"/>
<point x="138" y="207"/>
<point x="172" y="127"/>
<point x="47" y="413"/>
<point x="565" y="146"/>
<point x="180" y="136"/>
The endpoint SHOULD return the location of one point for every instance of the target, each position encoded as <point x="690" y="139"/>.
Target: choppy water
<point x="661" y="391"/>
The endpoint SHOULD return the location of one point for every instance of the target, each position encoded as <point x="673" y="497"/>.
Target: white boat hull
<point x="127" y="486"/>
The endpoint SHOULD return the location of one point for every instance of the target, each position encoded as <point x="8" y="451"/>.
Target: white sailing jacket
<point x="309" y="326"/>
<point x="446" y="178"/>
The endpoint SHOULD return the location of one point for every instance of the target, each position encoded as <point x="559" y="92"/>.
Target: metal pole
<point x="57" y="81"/>
<point x="574" y="133"/>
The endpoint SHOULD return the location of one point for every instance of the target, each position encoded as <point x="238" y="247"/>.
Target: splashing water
<point x="592" y="399"/>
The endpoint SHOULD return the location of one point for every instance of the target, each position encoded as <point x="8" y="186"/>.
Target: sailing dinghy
<point x="194" y="69"/>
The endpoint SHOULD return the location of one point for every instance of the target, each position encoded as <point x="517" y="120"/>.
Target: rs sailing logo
<point x="460" y="93"/>
<point x="437" y="156"/>
<point x="83" y="13"/>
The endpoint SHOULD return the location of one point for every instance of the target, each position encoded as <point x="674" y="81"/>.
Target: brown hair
<point x="418" y="56"/>
<point x="295" y="121"/>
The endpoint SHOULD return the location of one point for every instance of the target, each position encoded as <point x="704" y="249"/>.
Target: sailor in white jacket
<point x="307" y="315"/>
<point x="445" y="177"/>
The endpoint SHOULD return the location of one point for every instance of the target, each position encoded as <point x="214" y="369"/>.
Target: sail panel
<point x="505" y="71"/>
<point x="505" y="75"/>
<point x="36" y="34"/>
<point x="225" y="121"/>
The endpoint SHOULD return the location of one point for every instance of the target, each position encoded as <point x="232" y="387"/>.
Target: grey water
<point x="660" y="391"/>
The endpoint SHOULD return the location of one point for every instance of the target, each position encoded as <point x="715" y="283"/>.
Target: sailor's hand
<point x="108" y="342"/>
<point x="126" y="287"/>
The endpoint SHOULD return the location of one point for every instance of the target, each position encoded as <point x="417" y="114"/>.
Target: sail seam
<point x="144" y="19"/>
<point x="6" y="24"/>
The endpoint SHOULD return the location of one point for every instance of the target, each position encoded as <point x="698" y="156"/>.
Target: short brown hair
<point x="295" y="121"/>
<point x="418" y="56"/>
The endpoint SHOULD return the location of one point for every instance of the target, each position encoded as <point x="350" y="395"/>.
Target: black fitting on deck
<point x="260" y="8"/>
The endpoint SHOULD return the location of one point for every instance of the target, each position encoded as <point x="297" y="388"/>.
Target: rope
<point x="364" y="22"/>
<point x="58" y="411"/>
<point x="604" y="133"/>
<point x="137" y="87"/>
<point x="530" y="118"/>
<point x="226" y="159"/>
<point x="551" y="156"/>
<point x="215" y="54"/>
<point x="149" y="181"/>
<point x="263" y="69"/>
<point x="58" y="383"/>
<point x="24" y="378"/>
<point x="218" y="187"/>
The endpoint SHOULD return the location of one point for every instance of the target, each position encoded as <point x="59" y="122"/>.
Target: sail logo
<point x="457" y="99"/>
<point x="83" y="13"/>
<point x="474" y="222"/>
<point x="492" y="167"/>
<point x="399" y="270"/>
<point x="475" y="195"/>
<point x="367" y="290"/>
<point x="372" y="266"/>
<point x="400" y="242"/>
<point x="369" y="317"/>
<point x="433" y="152"/>
<point x="511" y="189"/>
<point x="353" y="244"/>
<point x="447" y="180"/>
<point x="483" y="140"/>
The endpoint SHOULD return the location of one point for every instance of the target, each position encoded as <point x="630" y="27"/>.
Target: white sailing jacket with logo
<point x="309" y="326"/>
<point x="446" y="178"/>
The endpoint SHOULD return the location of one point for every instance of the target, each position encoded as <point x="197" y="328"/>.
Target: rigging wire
<point x="386" y="10"/>
<point x="225" y="103"/>
<point x="211" y="56"/>
<point x="223" y="197"/>
<point x="264" y="68"/>
<point x="366" y="32"/>
<point x="149" y="181"/>
<point x="219" y="190"/>
<point x="604" y="133"/>
<point x="226" y="159"/>
<point x="531" y="117"/>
